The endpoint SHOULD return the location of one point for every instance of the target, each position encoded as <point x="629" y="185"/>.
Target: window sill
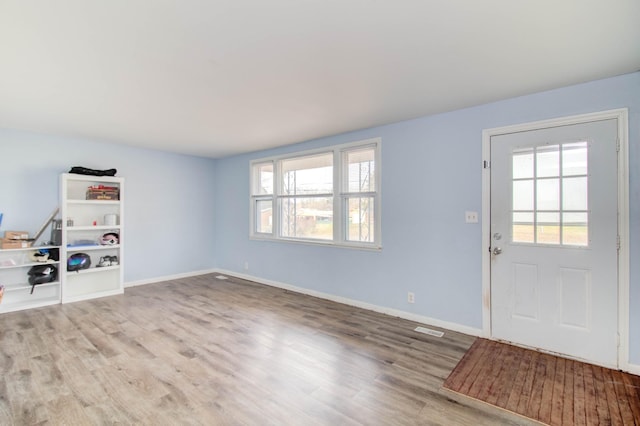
<point x="367" y="247"/>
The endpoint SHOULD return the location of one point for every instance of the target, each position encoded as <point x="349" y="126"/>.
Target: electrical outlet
<point x="471" y="217"/>
<point x="246" y="265"/>
<point x="411" y="298"/>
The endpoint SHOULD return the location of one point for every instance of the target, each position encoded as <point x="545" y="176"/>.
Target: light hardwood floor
<point x="206" y="351"/>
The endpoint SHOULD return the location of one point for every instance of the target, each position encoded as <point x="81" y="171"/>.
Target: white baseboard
<point x="632" y="368"/>
<point x="359" y="304"/>
<point x="168" y="278"/>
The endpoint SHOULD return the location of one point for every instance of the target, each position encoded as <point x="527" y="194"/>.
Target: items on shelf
<point x="79" y="170"/>
<point x="56" y="232"/>
<point x="78" y="261"/>
<point x="111" y="219"/>
<point x="42" y="274"/>
<point x="110" y="239"/>
<point x="21" y="239"/>
<point x="16" y="239"/>
<point x="81" y="243"/>
<point x="16" y="235"/>
<point x="45" y="255"/>
<point x="15" y="244"/>
<point x="108" y="261"/>
<point x="102" y="192"/>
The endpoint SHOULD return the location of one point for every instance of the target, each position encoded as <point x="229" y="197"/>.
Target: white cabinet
<point x="84" y="223"/>
<point x="14" y="276"/>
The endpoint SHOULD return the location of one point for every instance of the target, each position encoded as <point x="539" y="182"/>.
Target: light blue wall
<point x="431" y="174"/>
<point x="169" y="204"/>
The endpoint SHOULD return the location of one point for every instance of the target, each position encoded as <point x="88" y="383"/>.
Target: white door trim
<point x="622" y="115"/>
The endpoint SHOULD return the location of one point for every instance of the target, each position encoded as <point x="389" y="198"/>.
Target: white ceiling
<point x="220" y="77"/>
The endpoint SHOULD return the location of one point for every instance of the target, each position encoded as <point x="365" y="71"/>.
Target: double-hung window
<point x="326" y="196"/>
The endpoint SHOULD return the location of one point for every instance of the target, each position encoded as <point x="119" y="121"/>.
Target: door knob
<point x="497" y="250"/>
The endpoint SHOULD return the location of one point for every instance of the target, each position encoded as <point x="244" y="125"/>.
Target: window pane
<point x="548" y="228"/>
<point x="262" y="179"/>
<point x="575" y="229"/>
<point x="548" y="161"/>
<point x="551" y="179"/>
<point x="548" y="194"/>
<point x="574" y="159"/>
<point x="360" y="170"/>
<point x="264" y="216"/>
<point x="523" y="163"/>
<point x="523" y="195"/>
<point x="361" y="224"/>
<point x="523" y="228"/>
<point x="308" y="175"/>
<point x="574" y="193"/>
<point x="307" y="217"/>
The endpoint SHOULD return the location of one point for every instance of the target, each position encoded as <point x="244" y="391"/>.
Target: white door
<point x="554" y="240"/>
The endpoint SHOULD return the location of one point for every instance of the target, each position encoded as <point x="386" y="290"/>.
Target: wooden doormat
<point x="544" y="387"/>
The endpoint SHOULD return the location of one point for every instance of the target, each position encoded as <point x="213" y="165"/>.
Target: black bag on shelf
<point x="91" y="172"/>
<point x="42" y="274"/>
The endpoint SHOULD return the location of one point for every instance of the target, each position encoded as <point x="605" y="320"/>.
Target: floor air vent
<point x="429" y="331"/>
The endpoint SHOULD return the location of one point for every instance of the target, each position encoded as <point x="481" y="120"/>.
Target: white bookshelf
<point x="83" y="236"/>
<point x="14" y="276"/>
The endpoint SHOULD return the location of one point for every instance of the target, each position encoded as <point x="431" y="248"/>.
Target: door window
<point x="550" y="195"/>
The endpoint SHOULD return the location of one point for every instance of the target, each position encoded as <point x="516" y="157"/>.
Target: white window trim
<point x="340" y="195"/>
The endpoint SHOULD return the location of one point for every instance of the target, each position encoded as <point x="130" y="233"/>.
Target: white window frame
<point x="341" y="196"/>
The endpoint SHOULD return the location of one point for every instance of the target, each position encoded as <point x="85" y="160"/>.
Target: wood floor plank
<point x="546" y="392"/>
<point x="518" y="383"/>
<point x="49" y="377"/>
<point x="591" y="400"/>
<point x="5" y="407"/>
<point x="602" y="405"/>
<point x="32" y="339"/>
<point x="489" y="392"/>
<point x="508" y="375"/>
<point x="456" y="379"/>
<point x="569" y="394"/>
<point x="626" y="412"/>
<point x="25" y="398"/>
<point x="538" y="371"/>
<point x="468" y="371"/>
<point x="527" y="387"/>
<point x="67" y="410"/>
<point x="612" y="398"/>
<point x="558" y="394"/>
<point x="632" y="389"/>
<point x="579" y="407"/>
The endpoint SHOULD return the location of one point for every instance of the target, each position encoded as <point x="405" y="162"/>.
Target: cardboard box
<point x="15" y="244"/>
<point x="16" y="235"/>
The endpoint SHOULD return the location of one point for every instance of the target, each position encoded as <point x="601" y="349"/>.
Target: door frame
<point x="622" y="115"/>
